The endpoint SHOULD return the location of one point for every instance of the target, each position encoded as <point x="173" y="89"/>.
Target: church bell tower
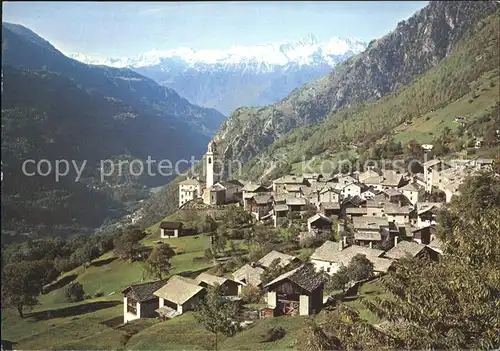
<point x="211" y="159"/>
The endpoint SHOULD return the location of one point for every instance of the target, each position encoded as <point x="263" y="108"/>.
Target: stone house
<point x="330" y="256"/>
<point x="178" y="295"/>
<point x="229" y="286"/>
<point x="170" y="229"/>
<point x="190" y="189"/>
<point x="139" y="300"/>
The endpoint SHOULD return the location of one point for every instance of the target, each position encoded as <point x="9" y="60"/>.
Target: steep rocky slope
<point x="415" y="46"/>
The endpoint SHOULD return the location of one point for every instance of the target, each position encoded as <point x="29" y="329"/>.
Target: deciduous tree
<point x="215" y="313"/>
<point x="159" y="263"/>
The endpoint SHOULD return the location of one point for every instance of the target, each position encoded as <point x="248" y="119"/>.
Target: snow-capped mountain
<point x="241" y="75"/>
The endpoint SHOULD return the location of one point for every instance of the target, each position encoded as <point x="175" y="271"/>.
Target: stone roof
<point x="250" y="274"/>
<point x="392" y="192"/>
<point x="280" y="197"/>
<point x="355" y="200"/>
<point x="179" y="289"/>
<point x="391" y="208"/>
<point x="268" y="259"/>
<point x="410" y="187"/>
<point x="290" y="200"/>
<point x="280" y="208"/>
<point x="404" y="247"/>
<point x="367" y="174"/>
<point x="374" y="180"/>
<point x="289" y="179"/>
<point x="330" y="252"/>
<point x="317" y="216"/>
<point x="252" y="187"/>
<point x="426" y="206"/>
<point x="210" y="279"/>
<point x="263" y="199"/>
<point x="356" y="210"/>
<point x="143" y="292"/>
<point x="432" y="163"/>
<point x="330" y="206"/>
<point x="190" y="182"/>
<point x="369" y="222"/>
<point x="230" y="184"/>
<point x="216" y="187"/>
<point x="368" y="236"/>
<point x="304" y="276"/>
<point x="293" y="187"/>
<point x="391" y="178"/>
<point x="381" y="264"/>
<point x="170" y="225"/>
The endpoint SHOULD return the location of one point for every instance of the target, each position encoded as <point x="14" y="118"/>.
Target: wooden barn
<point x="298" y="292"/>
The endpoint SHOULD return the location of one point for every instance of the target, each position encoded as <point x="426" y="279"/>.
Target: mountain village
<point x="384" y="215"/>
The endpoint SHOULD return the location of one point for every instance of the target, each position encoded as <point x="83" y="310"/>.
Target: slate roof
<point x="190" y="182"/>
<point x="317" y="216"/>
<point x="143" y="292"/>
<point x="391" y="208"/>
<point x="289" y="179"/>
<point x="252" y="187"/>
<point x="330" y="252"/>
<point x="295" y="201"/>
<point x="366" y="175"/>
<point x="426" y="206"/>
<point x="374" y="180"/>
<point x="432" y="163"/>
<point x="391" y="178"/>
<point x="179" y="289"/>
<point x="356" y="210"/>
<point x="330" y="205"/>
<point x="369" y="222"/>
<point x="270" y="257"/>
<point x="217" y="187"/>
<point x="404" y="247"/>
<point x="381" y="264"/>
<point x="210" y="279"/>
<point x="170" y="225"/>
<point x="293" y="187"/>
<point x="248" y="273"/>
<point x="280" y="197"/>
<point x="369" y="236"/>
<point x="280" y="208"/>
<point x="392" y="192"/>
<point x="263" y="199"/>
<point x="304" y="276"/>
<point x="355" y="200"/>
<point x="410" y="187"/>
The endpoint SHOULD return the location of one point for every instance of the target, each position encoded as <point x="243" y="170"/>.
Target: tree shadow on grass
<point x="73" y="310"/>
<point x="103" y="262"/>
<point x="59" y="283"/>
<point x="193" y="274"/>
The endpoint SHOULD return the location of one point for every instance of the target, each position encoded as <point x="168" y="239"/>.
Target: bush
<point x="273" y="334"/>
<point x="250" y="294"/>
<point x="74" y="292"/>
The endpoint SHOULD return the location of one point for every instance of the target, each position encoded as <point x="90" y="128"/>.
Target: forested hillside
<point x="394" y="61"/>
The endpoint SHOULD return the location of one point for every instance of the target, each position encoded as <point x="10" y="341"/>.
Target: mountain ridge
<point x="414" y="46"/>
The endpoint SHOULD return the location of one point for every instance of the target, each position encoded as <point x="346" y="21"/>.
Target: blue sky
<point x="129" y="28"/>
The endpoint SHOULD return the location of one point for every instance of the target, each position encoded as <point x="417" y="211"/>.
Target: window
<point x="209" y="160"/>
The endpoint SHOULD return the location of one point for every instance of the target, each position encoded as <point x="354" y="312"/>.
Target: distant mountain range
<point x="240" y="76"/>
<point x="54" y="107"/>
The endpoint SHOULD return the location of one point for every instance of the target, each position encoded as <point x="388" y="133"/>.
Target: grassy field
<point x="92" y="323"/>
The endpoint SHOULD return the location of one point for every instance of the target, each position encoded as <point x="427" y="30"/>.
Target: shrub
<point x="250" y="294"/>
<point x="273" y="334"/>
<point x="74" y="292"/>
